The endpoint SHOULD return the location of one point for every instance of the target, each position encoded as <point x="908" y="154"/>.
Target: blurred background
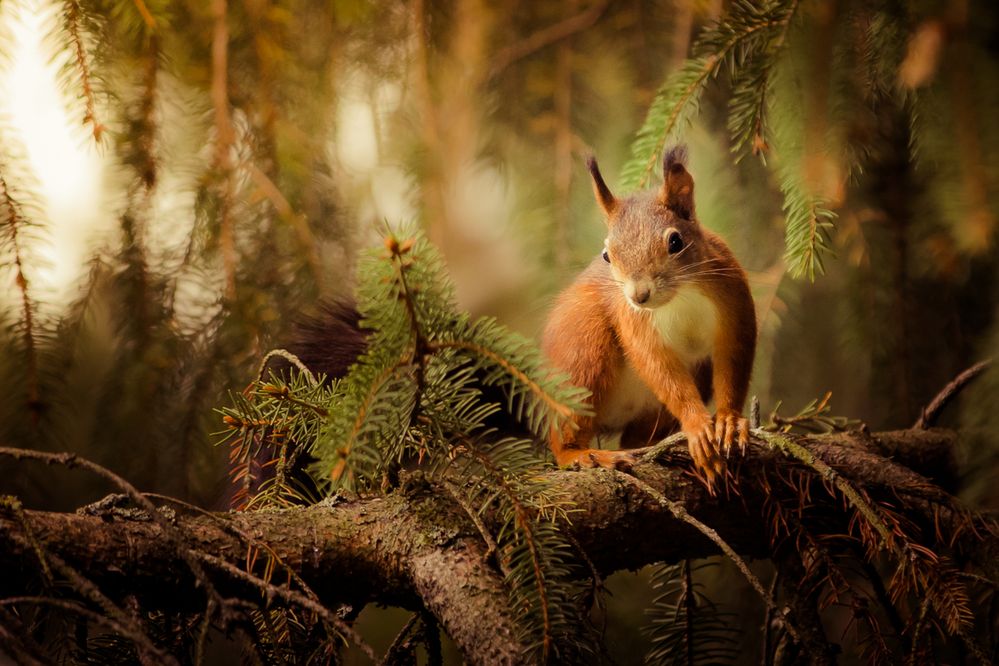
<point x="178" y="180"/>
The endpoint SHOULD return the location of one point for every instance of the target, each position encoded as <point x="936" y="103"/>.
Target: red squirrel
<point x="654" y="326"/>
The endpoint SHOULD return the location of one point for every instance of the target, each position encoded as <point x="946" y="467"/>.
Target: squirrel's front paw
<point x="703" y="446"/>
<point x="729" y="425"/>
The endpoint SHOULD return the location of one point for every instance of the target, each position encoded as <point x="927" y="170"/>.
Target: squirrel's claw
<point x="702" y="443"/>
<point x="730" y="428"/>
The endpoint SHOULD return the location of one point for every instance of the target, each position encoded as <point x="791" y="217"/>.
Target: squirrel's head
<point x="654" y="244"/>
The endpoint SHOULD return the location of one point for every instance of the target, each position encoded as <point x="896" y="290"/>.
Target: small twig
<point x="924" y="609"/>
<point x="297" y="598"/>
<point x="546" y="37"/>
<point x="598" y="582"/>
<point x="492" y="548"/>
<point x="884" y="598"/>
<point x="147" y="16"/>
<point x="16" y="641"/>
<point x="291" y="358"/>
<point x="827" y="473"/>
<point x="71" y="460"/>
<point x="681" y="513"/>
<point x="248" y="540"/>
<point x="72" y="16"/>
<point x="401" y="649"/>
<point x="224" y="140"/>
<point x="767" y="653"/>
<point x="690" y="605"/>
<point x="432" y="638"/>
<point x="74" y="607"/>
<point x="15" y="506"/>
<point x="931" y="412"/>
<point x="127" y="625"/>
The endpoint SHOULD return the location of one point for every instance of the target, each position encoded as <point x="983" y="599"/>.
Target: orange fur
<point x="599" y="335"/>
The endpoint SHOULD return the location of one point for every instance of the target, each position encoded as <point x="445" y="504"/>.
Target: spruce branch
<point x="918" y="568"/>
<point x="682" y="514"/>
<point x="808" y="223"/>
<point x="11" y="233"/>
<point x="686" y="627"/>
<point x="71" y="12"/>
<point x="224" y="140"/>
<point x="740" y="37"/>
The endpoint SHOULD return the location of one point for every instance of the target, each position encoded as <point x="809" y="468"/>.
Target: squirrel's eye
<point x="606" y="256"/>
<point x="675" y="242"/>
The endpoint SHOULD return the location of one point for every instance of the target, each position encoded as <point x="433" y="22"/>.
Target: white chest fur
<point x="688" y="324"/>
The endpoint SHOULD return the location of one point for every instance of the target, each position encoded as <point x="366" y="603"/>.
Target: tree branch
<point x="415" y="548"/>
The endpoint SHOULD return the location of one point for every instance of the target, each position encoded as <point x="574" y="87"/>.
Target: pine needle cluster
<point x="414" y="400"/>
<point x="747" y="45"/>
<point x="804" y="85"/>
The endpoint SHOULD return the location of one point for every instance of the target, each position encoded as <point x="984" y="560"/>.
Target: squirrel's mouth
<point x="655" y="300"/>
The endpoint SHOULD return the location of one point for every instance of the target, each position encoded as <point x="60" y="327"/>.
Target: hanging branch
<point x="224" y="140"/>
<point x="15" y="222"/>
<point x="71" y="22"/>
<point x="729" y="42"/>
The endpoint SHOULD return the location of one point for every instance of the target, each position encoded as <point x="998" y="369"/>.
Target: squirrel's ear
<point x="604" y="197"/>
<point x="678" y="185"/>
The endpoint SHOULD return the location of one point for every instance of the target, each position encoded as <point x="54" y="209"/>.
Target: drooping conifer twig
<point x="125" y="623"/>
<point x="928" y="417"/>
<point x="15" y="220"/>
<point x="561" y="409"/>
<point x="918" y="569"/>
<point x="307" y="600"/>
<point x="525" y="526"/>
<point x="76" y="609"/>
<point x="71" y="20"/>
<point x="679" y="96"/>
<point x="14" y="505"/>
<point x="254" y="547"/>
<point x="146" y="124"/>
<point x="830" y="475"/>
<point x="681" y="513"/>
<point x="224" y="140"/>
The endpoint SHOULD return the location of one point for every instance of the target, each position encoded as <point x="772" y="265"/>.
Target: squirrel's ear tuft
<point x="678" y="185"/>
<point x="604" y="197"/>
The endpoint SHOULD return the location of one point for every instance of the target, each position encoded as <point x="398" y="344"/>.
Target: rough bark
<point x="416" y="549"/>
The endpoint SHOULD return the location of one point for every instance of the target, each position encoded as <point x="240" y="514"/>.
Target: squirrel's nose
<point x="641" y="296"/>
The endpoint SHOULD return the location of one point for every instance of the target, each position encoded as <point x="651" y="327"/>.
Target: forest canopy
<point x="250" y="160"/>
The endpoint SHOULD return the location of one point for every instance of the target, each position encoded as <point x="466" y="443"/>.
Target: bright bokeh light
<point x="66" y="164"/>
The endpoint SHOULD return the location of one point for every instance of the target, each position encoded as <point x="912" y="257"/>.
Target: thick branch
<point x="415" y="548"/>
